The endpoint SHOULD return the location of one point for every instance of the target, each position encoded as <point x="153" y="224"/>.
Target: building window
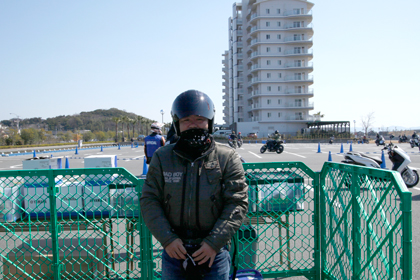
<point x="267" y="11"/>
<point x="267" y="36"/>
<point x="298" y="76"/>
<point x="296" y="11"/>
<point x="298" y="63"/>
<point x="296" y="24"/>
<point x="269" y="88"/>
<point x="268" y="75"/>
<point x="268" y="101"/>
<point x="279" y="75"/>
<point x="298" y="102"/>
<point x="278" y="11"/>
<point x="267" y="23"/>
<point x="298" y="89"/>
<point x="268" y="115"/>
<point x="299" y="116"/>
<point x="278" y="36"/>
<point x="279" y="23"/>
<point x="268" y="49"/>
<point x="279" y="49"/>
<point x="268" y="62"/>
<point x="279" y="101"/>
<point x="279" y="62"/>
<point x="279" y="114"/>
<point x="279" y="88"/>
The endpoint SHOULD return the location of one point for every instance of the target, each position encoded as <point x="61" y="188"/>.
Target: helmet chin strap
<point x="196" y="137"/>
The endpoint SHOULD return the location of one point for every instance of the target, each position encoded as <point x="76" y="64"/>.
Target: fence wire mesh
<point x="345" y="222"/>
<point x="366" y="223"/>
<point x="70" y="224"/>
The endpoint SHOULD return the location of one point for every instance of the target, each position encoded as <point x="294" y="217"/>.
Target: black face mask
<point x="196" y="137"/>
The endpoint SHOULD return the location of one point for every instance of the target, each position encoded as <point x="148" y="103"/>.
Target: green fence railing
<point x="366" y="224"/>
<point x="345" y="222"/>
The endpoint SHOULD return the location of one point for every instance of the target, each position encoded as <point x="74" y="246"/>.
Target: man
<point x="276" y="137"/>
<point x="233" y="137"/>
<point x="153" y="142"/>
<point x="195" y="196"/>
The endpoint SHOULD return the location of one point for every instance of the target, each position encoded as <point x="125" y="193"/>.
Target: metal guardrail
<point x="345" y="222"/>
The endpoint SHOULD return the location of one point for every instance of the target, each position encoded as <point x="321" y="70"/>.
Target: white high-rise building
<point x="267" y="67"/>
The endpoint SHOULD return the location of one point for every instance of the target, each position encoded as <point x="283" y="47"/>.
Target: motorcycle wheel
<point x="408" y="180"/>
<point x="280" y="149"/>
<point x="263" y="149"/>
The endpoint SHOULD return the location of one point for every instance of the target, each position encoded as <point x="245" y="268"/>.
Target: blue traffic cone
<point x="132" y="145"/>
<point x="284" y="142"/>
<point x="34" y="154"/>
<point x="51" y="156"/>
<point x="67" y="165"/>
<point x="341" y="150"/>
<point x="145" y="167"/>
<point x="351" y="148"/>
<point x="119" y="146"/>
<point x="115" y="162"/>
<point x="329" y="156"/>
<point x="383" y="164"/>
<point x="319" y="147"/>
<point x="102" y="148"/>
<point x="77" y="152"/>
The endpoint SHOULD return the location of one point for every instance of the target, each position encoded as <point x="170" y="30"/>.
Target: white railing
<point x="298" y="65"/>
<point x="297" y="52"/>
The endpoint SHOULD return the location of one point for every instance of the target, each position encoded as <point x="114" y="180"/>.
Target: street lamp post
<point x="354" y="121"/>
<point x="162" y="112"/>
<point x="17" y="121"/>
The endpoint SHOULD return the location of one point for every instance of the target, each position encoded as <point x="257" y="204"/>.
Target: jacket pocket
<point x="214" y="174"/>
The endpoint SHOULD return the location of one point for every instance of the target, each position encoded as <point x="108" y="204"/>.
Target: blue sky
<point x="65" y="57"/>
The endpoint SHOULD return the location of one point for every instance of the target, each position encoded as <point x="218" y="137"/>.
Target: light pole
<point x="162" y="112"/>
<point x="354" y="121"/>
<point x="17" y="121"/>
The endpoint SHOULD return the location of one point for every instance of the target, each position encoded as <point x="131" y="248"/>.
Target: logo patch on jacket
<point x="172" y="177"/>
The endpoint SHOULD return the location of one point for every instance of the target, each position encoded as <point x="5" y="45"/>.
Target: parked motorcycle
<point x="398" y="157"/>
<point x="272" y="146"/>
<point x="414" y="142"/>
<point x="380" y="141"/>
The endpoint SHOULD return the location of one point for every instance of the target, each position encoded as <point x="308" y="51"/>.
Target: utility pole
<point x="17" y="121"/>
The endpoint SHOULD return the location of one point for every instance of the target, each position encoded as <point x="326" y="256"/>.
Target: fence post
<point x="54" y="230"/>
<point x="356" y="223"/>
<point x="407" y="242"/>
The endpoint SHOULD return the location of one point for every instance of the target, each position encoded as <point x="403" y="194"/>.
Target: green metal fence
<point x="344" y="222"/>
<point x="366" y="224"/>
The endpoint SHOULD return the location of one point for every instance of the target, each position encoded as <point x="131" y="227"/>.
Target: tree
<point x="116" y="120"/>
<point x="133" y="123"/>
<point x="123" y="121"/>
<point x="367" y="121"/>
<point x="139" y="121"/>
<point x="88" y="136"/>
<point x="318" y="116"/>
<point x="29" y="136"/>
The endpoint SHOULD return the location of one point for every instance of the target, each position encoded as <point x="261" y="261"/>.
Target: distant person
<point x="172" y="136"/>
<point x="276" y="138"/>
<point x="415" y="136"/>
<point x="153" y="142"/>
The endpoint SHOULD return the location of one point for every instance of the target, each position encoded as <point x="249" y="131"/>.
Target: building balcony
<point x="239" y="44"/>
<point x="291" y="105"/>
<point x="239" y="32"/>
<point x="298" y="52"/>
<point x="225" y="77"/>
<point x="298" y="13"/>
<point x="298" y="39"/>
<point x="300" y="78"/>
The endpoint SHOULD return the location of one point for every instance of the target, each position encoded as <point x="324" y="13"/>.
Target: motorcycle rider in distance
<point x="239" y="139"/>
<point x="415" y="136"/>
<point x="332" y="139"/>
<point x="276" y="137"/>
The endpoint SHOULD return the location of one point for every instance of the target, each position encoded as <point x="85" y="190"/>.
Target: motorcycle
<point x="398" y="157"/>
<point x="240" y="142"/>
<point x="272" y="146"/>
<point x="380" y="141"/>
<point x="402" y="139"/>
<point x="331" y="140"/>
<point x="233" y="143"/>
<point x="414" y="142"/>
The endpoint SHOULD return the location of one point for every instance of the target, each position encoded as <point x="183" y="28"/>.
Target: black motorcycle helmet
<point x="192" y="102"/>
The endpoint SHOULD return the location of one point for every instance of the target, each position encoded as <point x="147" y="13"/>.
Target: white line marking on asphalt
<point x="254" y="154"/>
<point x="294" y="154"/>
<point x="417" y="188"/>
<point x="16" y="166"/>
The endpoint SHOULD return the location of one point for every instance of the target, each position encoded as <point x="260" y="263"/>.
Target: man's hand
<point x="176" y="250"/>
<point x="204" y="254"/>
